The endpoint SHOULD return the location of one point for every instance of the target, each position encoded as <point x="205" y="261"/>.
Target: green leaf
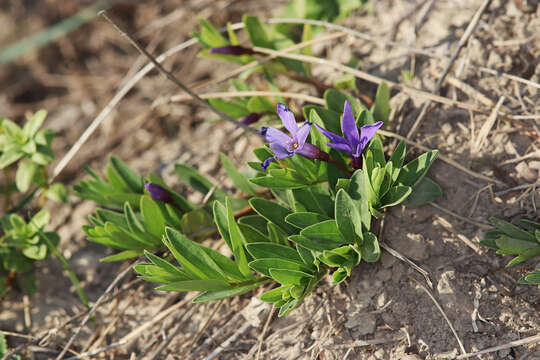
<point x="356" y="189"/>
<point x="370" y="250"/>
<point x="31" y="127"/>
<point x="269" y="250"/>
<point x="222" y="221"/>
<point x="265" y="265"/>
<point x="396" y="195"/>
<point x="153" y="219"/>
<point x="237" y="242"/>
<point x="238" y="179"/>
<point x="259" y="104"/>
<point x="397" y="158"/>
<point x="57" y="192"/>
<point x="273" y="212"/>
<point x="276" y="235"/>
<point x="124" y="255"/>
<point x="348" y="218"/>
<point x="414" y="171"/>
<point x="198" y="182"/>
<point x="227" y="293"/>
<point x="197" y="222"/>
<point x="191" y="256"/>
<point x="425" y="192"/>
<point x="335" y="101"/>
<point x="512" y="230"/>
<point x="229" y="108"/>
<point x="25" y="175"/>
<point x="251" y="234"/>
<point x="275" y="294"/>
<point x="256" y="32"/>
<point x="196" y="285"/>
<point x="36" y="252"/>
<point x="305" y="219"/>
<point x="290" y="277"/>
<point x="255" y="221"/>
<point x="330" y="118"/>
<point x="9" y="157"/>
<point x="381" y="108"/>
<point x="134" y="181"/>
<point x="210" y="36"/>
<point x="326" y="231"/>
<point x="273" y="182"/>
<point x="40" y="220"/>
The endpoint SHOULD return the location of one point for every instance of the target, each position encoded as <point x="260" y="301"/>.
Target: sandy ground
<point x="384" y="310"/>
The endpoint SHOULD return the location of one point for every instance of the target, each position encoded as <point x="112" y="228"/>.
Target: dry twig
<point x="464" y="39"/>
<point x="442" y="312"/>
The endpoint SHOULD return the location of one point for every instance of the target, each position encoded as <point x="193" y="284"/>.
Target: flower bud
<point x="158" y="192"/>
<point x="232" y="50"/>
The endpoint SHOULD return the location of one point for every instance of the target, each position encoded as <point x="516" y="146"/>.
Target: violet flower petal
<point x="302" y="134"/>
<point x="330" y="135"/>
<point x="348" y="125"/>
<point x="266" y="163"/>
<point x="280" y="151"/>
<point x="276" y="136"/>
<point x="287" y="117"/>
<point x="341" y="147"/>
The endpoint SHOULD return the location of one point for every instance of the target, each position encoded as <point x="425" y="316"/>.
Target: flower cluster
<point x="285" y="146"/>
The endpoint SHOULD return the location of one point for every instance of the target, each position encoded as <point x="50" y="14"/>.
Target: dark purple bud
<point x="311" y="151"/>
<point x="158" y="193"/>
<point x="250" y="118"/>
<point x="232" y="50"/>
<point x="266" y="163"/>
<point x="356" y="162"/>
<point x="262" y="131"/>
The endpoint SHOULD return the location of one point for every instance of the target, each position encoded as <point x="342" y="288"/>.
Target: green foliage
<point x="509" y="239"/>
<point x="319" y="221"/>
<point x="24" y="242"/>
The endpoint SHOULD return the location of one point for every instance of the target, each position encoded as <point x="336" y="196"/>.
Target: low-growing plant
<point x="522" y="241"/>
<point x="307" y="212"/>
<point x="23" y="239"/>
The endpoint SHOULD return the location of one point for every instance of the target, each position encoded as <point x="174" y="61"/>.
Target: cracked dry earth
<point x="383" y="311"/>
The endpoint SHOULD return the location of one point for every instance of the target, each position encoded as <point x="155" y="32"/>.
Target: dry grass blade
<point x="362" y="343"/>
<point x="93" y="309"/>
<point x="373" y="79"/>
<point x="263" y="332"/>
<point x="442" y="312"/>
<point x="486" y="127"/>
<point x="228" y="342"/>
<point x="403" y="258"/>
<point x="526" y="341"/>
<point x="231" y="94"/>
<point x="442" y="157"/>
<point x="173" y="78"/>
<point x="462" y="41"/>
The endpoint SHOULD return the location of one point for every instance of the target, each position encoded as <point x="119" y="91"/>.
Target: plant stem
<point x="340" y="165"/>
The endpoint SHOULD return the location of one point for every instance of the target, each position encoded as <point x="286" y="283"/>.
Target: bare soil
<point x="384" y="310"/>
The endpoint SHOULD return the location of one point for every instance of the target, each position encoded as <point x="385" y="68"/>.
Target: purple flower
<point x="232" y="50"/>
<point x="158" y="192"/>
<point x="285" y="146"/>
<point x="354" y="142"/>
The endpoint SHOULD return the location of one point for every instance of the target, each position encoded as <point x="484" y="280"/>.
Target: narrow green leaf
<point x="269" y="250"/>
<point x="396" y="195"/>
<point x="414" y="171"/>
<point x="190" y="255"/>
<point x="153" y="219"/>
<point x="227" y="293"/>
<point x="370" y="250"/>
<point x="290" y="277"/>
<point x="237" y="242"/>
<point x="425" y="192"/>
<point x="238" y="179"/>
<point x="132" y="179"/>
<point x="274" y="213"/>
<point x="305" y="219"/>
<point x="381" y="108"/>
<point x="324" y="231"/>
<point x="348" y="218"/>
<point x="124" y="255"/>
<point x="196" y="285"/>
<point x="31" y="127"/>
<point x="25" y="175"/>
<point x="512" y="230"/>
